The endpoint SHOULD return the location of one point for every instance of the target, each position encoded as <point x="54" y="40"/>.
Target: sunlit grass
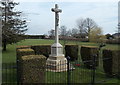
<point x="9" y="56"/>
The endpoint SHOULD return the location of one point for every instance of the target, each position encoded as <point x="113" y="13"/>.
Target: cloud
<point x="67" y="0"/>
<point x="42" y="18"/>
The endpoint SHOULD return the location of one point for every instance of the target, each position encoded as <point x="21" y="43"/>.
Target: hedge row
<point x="23" y="47"/>
<point x="23" y="52"/>
<point x="42" y="50"/>
<point x="32" y="69"/>
<point x="111" y="63"/>
<point x="71" y="51"/>
<point x="115" y="41"/>
<point x="87" y="53"/>
<point x="19" y="53"/>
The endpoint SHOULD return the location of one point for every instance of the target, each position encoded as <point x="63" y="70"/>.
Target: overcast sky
<point x="41" y="18"/>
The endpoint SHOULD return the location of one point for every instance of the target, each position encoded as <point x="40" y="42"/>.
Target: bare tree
<point x="75" y="32"/>
<point x="69" y="32"/>
<point x="81" y="26"/>
<point x="85" y="26"/>
<point x="63" y="35"/>
<point x="51" y="33"/>
<point x="89" y="24"/>
<point x="63" y="31"/>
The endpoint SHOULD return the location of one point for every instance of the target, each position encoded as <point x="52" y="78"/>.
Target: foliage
<point x="113" y="41"/>
<point x="13" y="27"/>
<point x="23" y="47"/>
<point x="109" y="36"/>
<point x="96" y="35"/>
<point x="111" y="62"/>
<point x="51" y="33"/>
<point x="87" y="54"/>
<point x="42" y="50"/>
<point x="64" y="34"/>
<point x="22" y="52"/>
<point x="9" y="57"/>
<point x="19" y="54"/>
<point x="32" y="69"/>
<point x="71" y="51"/>
<point x="85" y="26"/>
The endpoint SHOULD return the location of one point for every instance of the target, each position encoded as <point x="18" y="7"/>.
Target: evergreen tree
<point x="13" y="27"/>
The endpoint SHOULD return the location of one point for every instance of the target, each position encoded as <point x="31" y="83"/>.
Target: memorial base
<point x="56" y="64"/>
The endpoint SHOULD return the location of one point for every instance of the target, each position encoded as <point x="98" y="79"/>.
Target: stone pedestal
<point x="56" y="64"/>
<point x="56" y="61"/>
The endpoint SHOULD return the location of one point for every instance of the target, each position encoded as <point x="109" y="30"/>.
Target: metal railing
<point x="76" y="72"/>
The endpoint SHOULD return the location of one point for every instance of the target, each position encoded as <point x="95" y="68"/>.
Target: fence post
<point x="93" y="68"/>
<point x="17" y="73"/>
<point x="68" y="70"/>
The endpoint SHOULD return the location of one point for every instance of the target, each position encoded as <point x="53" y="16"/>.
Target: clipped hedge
<point x="23" y="52"/>
<point x="33" y="69"/>
<point x="42" y="50"/>
<point x="23" y="47"/>
<point x="19" y="54"/>
<point x="71" y="51"/>
<point x="87" y="53"/>
<point x="111" y="61"/>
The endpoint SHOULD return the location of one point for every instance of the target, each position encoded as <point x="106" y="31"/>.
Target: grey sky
<point x="105" y="14"/>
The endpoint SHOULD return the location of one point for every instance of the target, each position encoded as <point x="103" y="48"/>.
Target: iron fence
<point x="76" y="72"/>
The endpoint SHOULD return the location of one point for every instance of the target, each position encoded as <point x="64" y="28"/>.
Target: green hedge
<point x="42" y="50"/>
<point x="19" y="54"/>
<point x="71" y="51"/>
<point x="23" y="52"/>
<point x="23" y="47"/>
<point x="111" y="62"/>
<point x="33" y="69"/>
<point x="87" y="53"/>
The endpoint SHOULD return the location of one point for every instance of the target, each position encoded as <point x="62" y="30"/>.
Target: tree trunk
<point x="4" y="45"/>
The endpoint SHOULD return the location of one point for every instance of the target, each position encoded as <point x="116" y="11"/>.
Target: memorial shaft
<point x="56" y="59"/>
<point x="56" y="29"/>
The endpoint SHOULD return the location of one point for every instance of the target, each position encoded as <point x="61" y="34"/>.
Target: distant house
<point x="116" y="35"/>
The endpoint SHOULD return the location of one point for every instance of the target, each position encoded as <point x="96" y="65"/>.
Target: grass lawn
<point x="79" y="75"/>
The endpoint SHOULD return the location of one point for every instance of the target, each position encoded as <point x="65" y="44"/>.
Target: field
<point x="9" y="57"/>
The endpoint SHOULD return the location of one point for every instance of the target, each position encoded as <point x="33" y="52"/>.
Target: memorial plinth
<point x="56" y="61"/>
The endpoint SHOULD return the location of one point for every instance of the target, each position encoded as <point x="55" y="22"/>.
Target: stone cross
<point x="57" y="11"/>
<point x="56" y="59"/>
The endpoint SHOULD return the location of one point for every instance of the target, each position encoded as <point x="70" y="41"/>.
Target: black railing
<point x="76" y="73"/>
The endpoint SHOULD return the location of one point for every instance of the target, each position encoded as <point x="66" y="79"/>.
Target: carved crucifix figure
<point x="57" y="11"/>
<point x="56" y="59"/>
